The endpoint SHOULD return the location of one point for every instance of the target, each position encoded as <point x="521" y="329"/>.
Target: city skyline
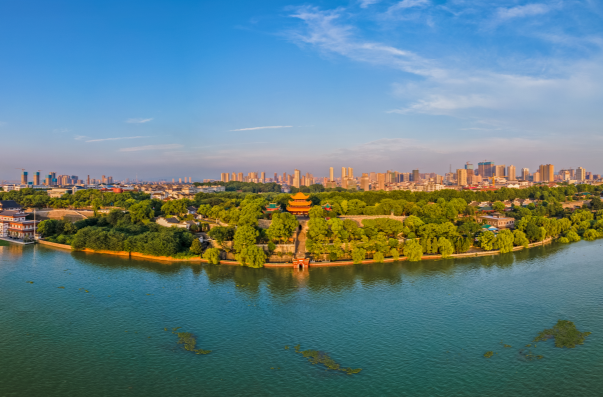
<point x="371" y="85"/>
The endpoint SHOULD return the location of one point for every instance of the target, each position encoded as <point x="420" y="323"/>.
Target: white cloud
<point x="168" y="146"/>
<point x="324" y="31"/>
<point x="523" y="11"/>
<point x="263" y="128"/>
<point x="404" y="4"/>
<point x="80" y="137"/>
<point x="138" y="121"/>
<point x="366" y="3"/>
<point x="116" y="139"/>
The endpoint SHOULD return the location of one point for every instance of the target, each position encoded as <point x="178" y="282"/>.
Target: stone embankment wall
<point x="339" y="263"/>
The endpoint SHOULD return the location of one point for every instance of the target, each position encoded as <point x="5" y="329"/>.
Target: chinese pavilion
<point x="299" y="205"/>
<point x="273" y="207"/>
<point x="327" y="207"/>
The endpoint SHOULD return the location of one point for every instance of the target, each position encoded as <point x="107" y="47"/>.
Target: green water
<point x="414" y="329"/>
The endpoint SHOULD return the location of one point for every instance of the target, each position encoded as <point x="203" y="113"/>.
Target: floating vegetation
<point x="507" y="346"/>
<point x="565" y="334"/>
<point x="61" y="287"/>
<point x="488" y="354"/>
<point x="286" y="347"/>
<point x="189" y="341"/>
<point x="320" y="357"/>
<point x="30" y="282"/>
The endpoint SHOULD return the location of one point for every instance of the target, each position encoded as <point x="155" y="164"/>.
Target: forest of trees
<point x="440" y="222"/>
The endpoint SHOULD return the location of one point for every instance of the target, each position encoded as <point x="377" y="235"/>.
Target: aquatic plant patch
<point x="189" y="341"/>
<point x="320" y="357"/>
<point x="565" y="333"/>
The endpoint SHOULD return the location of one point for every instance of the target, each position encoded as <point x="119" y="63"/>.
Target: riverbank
<point x="312" y="264"/>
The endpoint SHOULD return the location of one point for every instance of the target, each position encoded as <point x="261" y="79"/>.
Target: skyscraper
<point x="511" y="173"/>
<point x="364" y="182"/>
<point x="88" y="180"/>
<point x="461" y="177"/>
<point x="415" y="176"/>
<point x="24" y="178"/>
<point x="296" y="179"/>
<point x="547" y="172"/>
<point x="485" y="168"/>
<point x="350" y="172"/>
<point x="263" y="177"/>
<point x="580" y="174"/>
<point x="331" y="179"/>
<point x="525" y="174"/>
<point x="380" y="181"/>
<point x="36" y="180"/>
<point x="343" y="173"/>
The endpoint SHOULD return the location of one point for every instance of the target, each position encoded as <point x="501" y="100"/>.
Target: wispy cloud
<point x="80" y="137"/>
<point x="523" y="11"/>
<point x="366" y="3"/>
<point x="116" y="139"/>
<point x="408" y="4"/>
<point x="168" y="146"/>
<point x="263" y="128"/>
<point x="60" y="130"/>
<point x="138" y="121"/>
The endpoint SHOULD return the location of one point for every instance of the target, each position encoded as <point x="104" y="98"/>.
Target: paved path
<point x="300" y="241"/>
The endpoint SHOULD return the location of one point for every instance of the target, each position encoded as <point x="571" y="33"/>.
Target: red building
<point x="299" y="204"/>
<point x="13" y="224"/>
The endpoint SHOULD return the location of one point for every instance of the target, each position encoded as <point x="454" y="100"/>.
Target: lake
<point x="415" y="329"/>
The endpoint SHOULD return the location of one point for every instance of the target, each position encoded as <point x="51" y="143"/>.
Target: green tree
<point x="358" y="255"/>
<point x="142" y="211"/>
<point x="486" y="240"/>
<point x="413" y="250"/>
<point x="572" y="236"/>
<point x="251" y="256"/>
<point x="498" y="206"/>
<point x="378" y="257"/>
<point x="520" y="239"/>
<point x="196" y="248"/>
<point x="591" y="234"/>
<point x="504" y="241"/>
<point x="394" y="253"/>
<point x="244" y="237"/>
<point x="445" y="247"/>
<point x="212" y="255"/>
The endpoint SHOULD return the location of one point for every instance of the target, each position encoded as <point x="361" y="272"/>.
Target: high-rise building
<point x="373" y="176"/>
<point x="511" y="173"/>
<point x="343" y="173"/>
<point x="88" y="180"/>
<point x="110" y="180"/>
<point x="405" y="177"/>
<point x="469" y="168"/>
<point x="499" y="171"/>
<point x="547" y="172"/>
<point x="485" y="168"/>
<point x="525" y="174"/>
<point x="461" y="177"/>
<point x="415" y="176"/>
<point x="350" y="172"/>
<point x="536" y="177"/>
<point x="364" y="182"/>
<point x="296" y="179"/>
<point x="263" y="177"/>
<point x="36" y="179"/>
<point x="331" y="179"/>
<point x="24" y="178"/>
<point x="380" y="181"/>
<point x="580" y="174"/>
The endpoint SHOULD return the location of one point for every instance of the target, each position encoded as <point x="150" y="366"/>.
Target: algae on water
<point x="565" y="334"/>
<point x="189" y="342"/>
<point x="319" y="357"/>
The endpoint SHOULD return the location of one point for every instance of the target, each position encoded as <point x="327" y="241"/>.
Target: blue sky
<point x="168" y="89"/>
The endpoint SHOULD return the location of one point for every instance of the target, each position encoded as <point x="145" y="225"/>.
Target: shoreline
<point x="276" y="264"/>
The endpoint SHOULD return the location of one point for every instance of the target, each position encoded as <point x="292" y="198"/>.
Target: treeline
<point x="117" y="232"/>
<point x="446" y="234"/>
<point x="246" y="187"/>
<point x="36" y="198"/>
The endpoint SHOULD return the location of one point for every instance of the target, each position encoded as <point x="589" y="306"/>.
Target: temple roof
<point x="300" y="196"/>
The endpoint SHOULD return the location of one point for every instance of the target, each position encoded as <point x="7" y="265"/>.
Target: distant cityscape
<point x="487" y="174"/>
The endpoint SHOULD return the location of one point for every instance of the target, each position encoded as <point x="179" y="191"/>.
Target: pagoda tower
<point x="299" y="204"/>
